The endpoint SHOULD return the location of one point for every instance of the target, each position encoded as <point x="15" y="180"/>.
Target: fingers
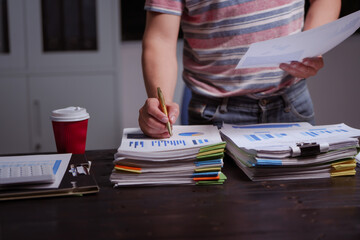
<point x="173" y="110"/>
<point x="307" y="68"/>
<point x="316" y="63"/>
<point x="152" y="120"/>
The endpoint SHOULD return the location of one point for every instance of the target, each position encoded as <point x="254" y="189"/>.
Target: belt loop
<point x="287" y="106"/>
<point x="223" y="106"/>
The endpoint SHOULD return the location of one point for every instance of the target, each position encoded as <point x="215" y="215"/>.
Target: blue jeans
<point x="292" y="105"/>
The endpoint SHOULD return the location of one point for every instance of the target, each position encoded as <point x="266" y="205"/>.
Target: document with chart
<point x="24" y="168"/>
<point x="185" y="142"/>
<point x="292" y="150"/>
<point x="296" y="47"/>
<point x="192" y="155"/>
<point x="26" y="176"/>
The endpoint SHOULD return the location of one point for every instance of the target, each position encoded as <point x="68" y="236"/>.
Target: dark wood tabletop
<point x="239" y="209"/>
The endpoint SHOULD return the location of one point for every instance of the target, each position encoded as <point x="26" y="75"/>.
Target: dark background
<point x="133" y="17"/>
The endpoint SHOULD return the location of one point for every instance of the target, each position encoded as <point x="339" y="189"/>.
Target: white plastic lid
<point x="69" y="114"/>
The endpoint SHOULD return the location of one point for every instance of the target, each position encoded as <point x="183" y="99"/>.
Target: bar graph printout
<point x="281" y="136"/>
<point x="296" y="47"/>
<point x="184" y="137"/>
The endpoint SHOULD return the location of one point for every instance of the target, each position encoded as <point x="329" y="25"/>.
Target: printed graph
<point x="263" y="136"/>
<point x="54" y="163"/>
<point x="167" y="143"/>
<point x="323" y="131"/>
<point x="280" y="125"/>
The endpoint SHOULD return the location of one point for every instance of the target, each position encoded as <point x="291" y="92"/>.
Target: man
<point x="217" y="34"/>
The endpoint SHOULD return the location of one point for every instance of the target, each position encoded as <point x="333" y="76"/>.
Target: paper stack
<point x="292" y="150"/>
<point x="193" y="155"/>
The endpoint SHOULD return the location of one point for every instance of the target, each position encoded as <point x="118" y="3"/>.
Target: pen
<point x="163" y="107"/>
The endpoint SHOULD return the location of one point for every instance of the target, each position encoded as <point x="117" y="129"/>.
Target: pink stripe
<point x="224" y="69"/>
<point x="246" y="39"/>
<point x="225" y="13"/>
<point x="218" y="92"/>
<point x="165" y="4"/>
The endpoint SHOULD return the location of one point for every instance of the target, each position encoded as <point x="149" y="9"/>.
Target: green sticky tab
<point x="222" y="176"/>
<point x="210" y="169"/>
<point x="219" y="155"/>
<point x="213" y="147"/>
<point x="209" y="182"/>
<point x="213" y="182"/>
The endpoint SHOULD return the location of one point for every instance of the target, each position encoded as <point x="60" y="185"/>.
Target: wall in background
<point x="132" y="87"/>
<point x="335" y="89"/>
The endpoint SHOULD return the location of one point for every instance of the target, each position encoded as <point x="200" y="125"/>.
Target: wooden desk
<point x="239" y="209"/>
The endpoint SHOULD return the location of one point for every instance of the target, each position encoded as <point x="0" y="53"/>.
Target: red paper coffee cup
<point x="70" y="129"/>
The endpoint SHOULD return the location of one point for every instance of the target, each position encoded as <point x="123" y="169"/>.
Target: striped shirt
<point x="217" y="33"/>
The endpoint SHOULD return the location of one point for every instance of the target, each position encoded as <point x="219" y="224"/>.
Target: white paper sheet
<point x="58" y="162"/>
<point x="184" y="137"/>
<point x="279" y="139"/>
<point x="296" y="47"/>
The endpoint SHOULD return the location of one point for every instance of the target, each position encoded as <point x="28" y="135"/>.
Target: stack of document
<point x="45" y="175"/>
<point x="192" y="155"/>
<point x="292" y="150"/>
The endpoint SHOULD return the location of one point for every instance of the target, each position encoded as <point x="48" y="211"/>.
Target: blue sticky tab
<point x="268" y="162"/>
<point x="208" y="162"/>
<point x="206" y="174"/>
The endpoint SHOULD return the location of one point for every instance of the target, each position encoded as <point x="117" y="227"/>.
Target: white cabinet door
<point x="14" y="124"/>
<point x="100" y="59"/>
<point x="95" y="92"/>
<point x="14" y="61"/>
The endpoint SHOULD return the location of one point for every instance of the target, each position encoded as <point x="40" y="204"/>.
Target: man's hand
<point x="307" y="68"/>
<point x="152" y="120"/>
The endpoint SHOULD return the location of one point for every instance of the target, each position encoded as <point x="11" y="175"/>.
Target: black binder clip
<point x="309" y="149"/>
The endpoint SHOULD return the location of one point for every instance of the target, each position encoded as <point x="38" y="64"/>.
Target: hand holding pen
<point x="152" y="119"/>
<point x="163" y="108"/>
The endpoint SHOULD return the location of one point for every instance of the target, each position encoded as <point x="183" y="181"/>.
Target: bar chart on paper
<point x="167" y="143"/>
<point x="183" y="137"/>
<point x="275" y="134"/>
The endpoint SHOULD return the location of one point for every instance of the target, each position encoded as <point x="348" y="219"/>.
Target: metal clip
<point x="304" y="149"/>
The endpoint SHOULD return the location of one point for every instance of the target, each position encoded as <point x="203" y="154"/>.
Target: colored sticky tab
<point x="344" y="165"/>
<point x="128" y="169"/>
<point x="206" y="178"/>
<point x="211" y="156"/>
<point x="213" y="182"/>
<point x="266" y="162"/>
<point x="205" y="174"/>
<point x="213" y="147"/>
<point x="343" y="173"/>
<point x="208" y="162"/>
<point x="210" y="169"/>
<point x="220" y="150"/>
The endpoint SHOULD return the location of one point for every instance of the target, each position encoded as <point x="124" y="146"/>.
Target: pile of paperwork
<point x="192" y="155"/>
<point x="292" y="150"/>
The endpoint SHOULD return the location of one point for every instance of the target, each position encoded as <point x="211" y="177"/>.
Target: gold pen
<point x="163" y="108"/>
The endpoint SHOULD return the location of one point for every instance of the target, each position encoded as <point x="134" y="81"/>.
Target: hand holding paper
<point x="307" y="68"/>
<point x="311" y="43"/>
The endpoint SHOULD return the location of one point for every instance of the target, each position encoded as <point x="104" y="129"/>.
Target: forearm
<point x="159" y="65"/>
<point x="321" y="12"/>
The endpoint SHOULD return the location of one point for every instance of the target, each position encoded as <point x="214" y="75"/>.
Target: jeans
<point x="294" y="104"/>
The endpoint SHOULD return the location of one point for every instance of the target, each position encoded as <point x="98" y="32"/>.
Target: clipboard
<point x="76" y="181"/>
